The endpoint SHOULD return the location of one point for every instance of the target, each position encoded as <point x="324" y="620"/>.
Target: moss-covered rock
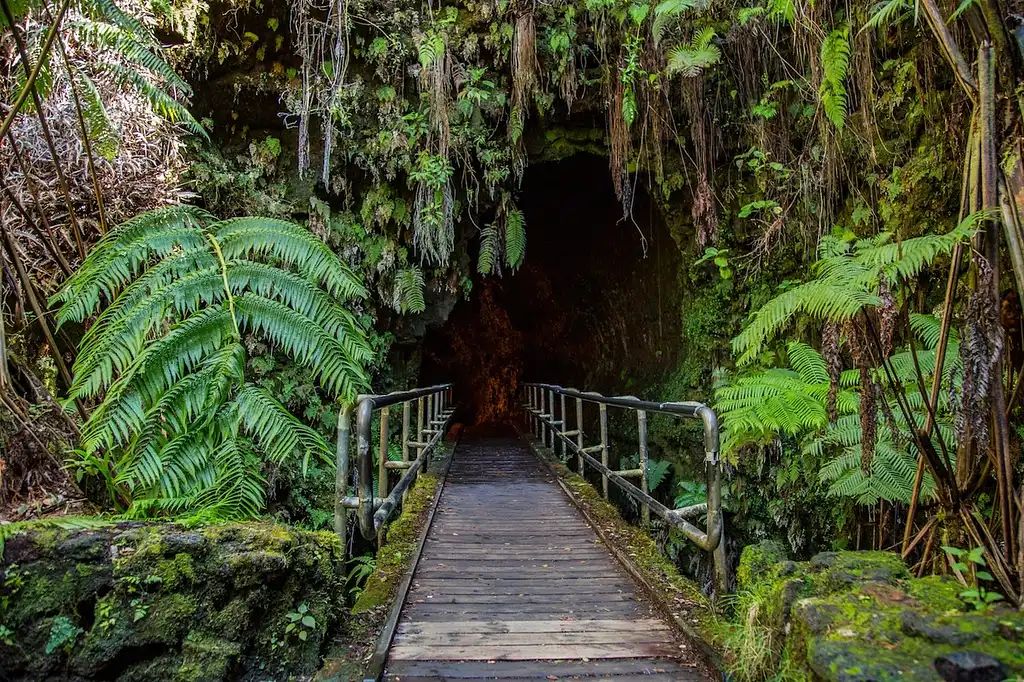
<point x="858" y="617"/>
<point x="161" y="602"/>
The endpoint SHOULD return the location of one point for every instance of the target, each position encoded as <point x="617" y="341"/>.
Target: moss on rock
<point x="856" y="617"/>
<point x="161" y="602"/>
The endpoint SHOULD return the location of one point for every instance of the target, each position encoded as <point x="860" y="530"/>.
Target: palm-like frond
<point x="688" y="60"/>
<point x="847" y="281"/>
<point x="180" y="429"/>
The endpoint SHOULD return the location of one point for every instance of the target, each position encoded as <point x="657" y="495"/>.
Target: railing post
<point x="364" y="466"/>
<point x="419" y="424"/>
<point x="579" y="433"/>
<point x="551" y="420"/>
<point x="641" y="423"/>
<point x="382" y="459"/>
<point x="406" y="413"/>
<point x="604" y="448"/>
<point x="341" y="478"/>
<point x="565" y="425"/>
<point x="430" y="424"/>
<point x="542" y="434"/>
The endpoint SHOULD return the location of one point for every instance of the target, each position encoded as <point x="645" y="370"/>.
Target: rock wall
<point x="861" y="617"/>
<point x="160" y="602"/>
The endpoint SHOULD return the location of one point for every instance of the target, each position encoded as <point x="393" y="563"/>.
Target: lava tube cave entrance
<point x="595" y="305"/>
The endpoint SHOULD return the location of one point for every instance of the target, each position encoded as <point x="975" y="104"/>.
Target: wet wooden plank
<point x="530" y="652"/>
<point x="512" y="583"/>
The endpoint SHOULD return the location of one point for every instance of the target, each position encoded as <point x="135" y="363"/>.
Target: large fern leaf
<point x="179" y="428"/>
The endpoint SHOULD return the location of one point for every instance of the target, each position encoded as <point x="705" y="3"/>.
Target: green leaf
<point x="309" y="621"/>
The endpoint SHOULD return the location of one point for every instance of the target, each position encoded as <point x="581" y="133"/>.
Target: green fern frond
<point x="490" y="247"/>
<point x="267" y="238"/>
<point x="515" y="239"/>
<point x="102" y="135"/>
<point x="888" y="13"/>
<point x="835" y="62"/>
<point x="179" y="430"/>
<point x="408" y="291"/>
<point x="689" y="60"/>
<point x="164" y="104"/>
<point x="126" y="45"/>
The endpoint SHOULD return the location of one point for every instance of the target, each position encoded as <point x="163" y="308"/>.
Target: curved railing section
<point x="433" y="413"/>
<point x="548" y="422"/>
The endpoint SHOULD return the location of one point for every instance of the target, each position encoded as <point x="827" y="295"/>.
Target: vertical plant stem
<point x="948" y="46"/>
<point x="29" y="86"/>
<point x="993" y="231"/>
<point x="947" y="314"/>
<point x="26" y="284"/>
<point x="96" y="189"/>
<point x="224" y="278"/>
<point x="44" y="236"/>
<point x="33" y="190"/>
<point x="43" y="124"/>
<point x="5" y="376"/>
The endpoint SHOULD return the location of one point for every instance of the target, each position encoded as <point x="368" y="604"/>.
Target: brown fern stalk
<point x="990" y="200"/>
<point x="86" y="143"/>
<point x="28" y="288"/>
<point x="31" y="73"/>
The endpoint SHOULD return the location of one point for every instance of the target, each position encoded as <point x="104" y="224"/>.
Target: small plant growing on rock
<point x="362" y="567"/>
<point x="63" y="634"/>
<point x="300" y="622"/>
<point x="971" y="565"/>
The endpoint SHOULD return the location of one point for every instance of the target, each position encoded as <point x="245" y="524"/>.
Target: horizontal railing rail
<point x="433" y="412"/>
<point x="549" y="423"/>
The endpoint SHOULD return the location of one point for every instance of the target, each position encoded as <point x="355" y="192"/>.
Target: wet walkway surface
<point x="514" y="584"/>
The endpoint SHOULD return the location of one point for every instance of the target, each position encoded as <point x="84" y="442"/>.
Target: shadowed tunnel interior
<point x="595" y="305"/>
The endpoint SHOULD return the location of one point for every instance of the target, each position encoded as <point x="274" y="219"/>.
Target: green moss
<point x="758" y="560"/>
<point x="402" y="537"/>
<point x="854" y="616"/>
<point x="940" y="593"/>
<point x="206" y="658"/>
<point x="177" y="603"/>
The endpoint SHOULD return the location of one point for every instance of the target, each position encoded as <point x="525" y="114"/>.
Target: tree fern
<point x="760" y="407"/>
<point x="848" y="274"/>
<point x="835" y="63"/>
<point x="179" y="429"/>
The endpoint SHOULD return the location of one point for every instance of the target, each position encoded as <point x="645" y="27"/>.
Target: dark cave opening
<point x="595" y="304"/>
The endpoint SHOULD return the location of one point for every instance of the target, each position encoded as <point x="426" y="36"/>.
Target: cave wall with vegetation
<point x="758" y="140"/>
<point x="749" y="156"/>
<point x="146" y="602"/>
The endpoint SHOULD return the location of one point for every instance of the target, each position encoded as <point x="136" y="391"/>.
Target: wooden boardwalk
<point x="513" y="584"/>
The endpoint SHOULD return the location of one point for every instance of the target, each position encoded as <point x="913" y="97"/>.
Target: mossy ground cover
<point x="854" y="617"/>
<point x="157" y="601"/>
<point x="345" y="659"/>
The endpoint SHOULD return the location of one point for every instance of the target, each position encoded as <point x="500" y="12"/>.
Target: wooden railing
<point x="433" y="412"/>
<point x="549" y="422"/>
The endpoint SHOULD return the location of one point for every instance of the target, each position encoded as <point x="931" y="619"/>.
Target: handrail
<point x="433" y="410"/>
<point x="541" y="414"/>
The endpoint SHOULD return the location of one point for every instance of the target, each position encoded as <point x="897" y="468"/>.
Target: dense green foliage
<point x="180" y="428"/>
